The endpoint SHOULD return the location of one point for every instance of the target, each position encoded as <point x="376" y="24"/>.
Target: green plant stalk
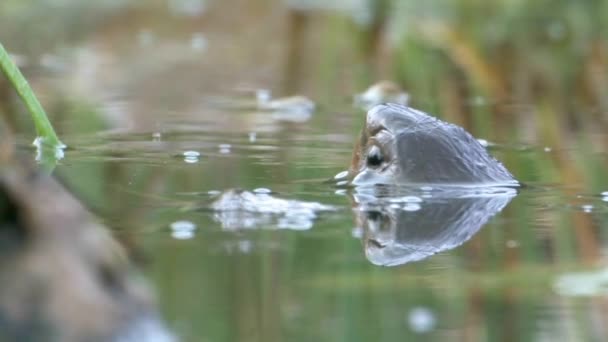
<point x="44" y="128"/>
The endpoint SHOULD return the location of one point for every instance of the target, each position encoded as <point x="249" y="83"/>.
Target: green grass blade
<point x="44" y="128"/>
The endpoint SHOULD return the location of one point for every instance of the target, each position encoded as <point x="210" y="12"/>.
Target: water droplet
<point x="421" y="320"/>
<point x="225" y="148"/>
<point x="252" y="137"/>
<point x="341" y="175"/>
<point x="587" y="208"/>
<point x="262" y="191"/>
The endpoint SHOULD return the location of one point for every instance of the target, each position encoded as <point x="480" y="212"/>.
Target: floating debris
<point x="381" y="92"/>
<point x="238" y="209"/>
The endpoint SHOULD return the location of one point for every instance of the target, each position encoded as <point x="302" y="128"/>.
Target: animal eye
<point x="374" y="157"/>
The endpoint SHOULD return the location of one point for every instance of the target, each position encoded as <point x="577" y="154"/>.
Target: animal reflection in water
<point x="400" y="230"/>
<point x="63" y="276"/>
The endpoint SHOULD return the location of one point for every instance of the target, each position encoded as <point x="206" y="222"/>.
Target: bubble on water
<point x="262" y="191"/>
<point x="341" y="175"/>
<point x="198" y="42"/>
<point x="252" y="137"/>
<point x="547" y="149"/>
<point x="421" y="320"/>
<point x="182" y="229"/>
<point x="512" y="244"/>
<point x="411" y="207"/>
<point x="225" y="148"/>
<point x="587" y="208"/>
<point x="191" y="156"/>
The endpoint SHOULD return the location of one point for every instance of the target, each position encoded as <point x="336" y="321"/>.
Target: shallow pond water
<point x="157" y="104"/>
